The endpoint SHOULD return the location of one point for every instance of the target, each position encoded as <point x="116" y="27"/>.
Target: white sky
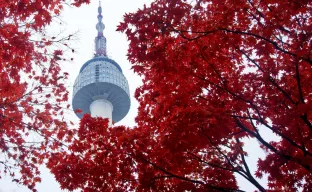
<point x="84" y="19"/>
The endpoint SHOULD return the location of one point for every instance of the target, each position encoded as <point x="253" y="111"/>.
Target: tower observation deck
<point x="101" y="89"/>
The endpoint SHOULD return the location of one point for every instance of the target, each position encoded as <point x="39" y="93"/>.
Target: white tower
<point x="101" y="88"/>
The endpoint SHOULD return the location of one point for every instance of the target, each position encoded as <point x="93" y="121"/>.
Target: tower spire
<point x="100" y="40"/>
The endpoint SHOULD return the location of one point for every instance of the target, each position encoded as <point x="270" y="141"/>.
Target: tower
<point x="101" y="88"/>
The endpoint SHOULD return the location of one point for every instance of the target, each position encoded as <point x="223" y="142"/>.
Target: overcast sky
<point x="84" y="19"/>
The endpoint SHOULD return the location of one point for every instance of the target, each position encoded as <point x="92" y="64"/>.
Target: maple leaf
<point x="78" y="111"/>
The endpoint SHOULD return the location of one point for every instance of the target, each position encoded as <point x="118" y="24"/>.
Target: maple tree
<point x="214" y="73"/>
<point x="32" y="87"/>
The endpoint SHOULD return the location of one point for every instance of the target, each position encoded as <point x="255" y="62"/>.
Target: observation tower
<point x="101" y="89"/>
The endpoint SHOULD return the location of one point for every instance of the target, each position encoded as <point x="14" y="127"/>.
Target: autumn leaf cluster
<point x="214" y="74"/>
<point x="32" y="90"/>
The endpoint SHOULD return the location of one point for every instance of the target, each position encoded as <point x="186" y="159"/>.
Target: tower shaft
<point x="102" y="108"/>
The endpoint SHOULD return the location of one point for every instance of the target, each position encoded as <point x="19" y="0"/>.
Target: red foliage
<point x="121" y="159"/>
<point x="219" y="71"/>
<point x="31" y="87"/>
<point x="214" y="72"/>
<point x="94" y="161"/>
